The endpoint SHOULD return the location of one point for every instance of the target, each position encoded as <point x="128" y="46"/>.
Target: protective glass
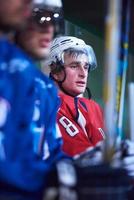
<point x="42" y="18"/>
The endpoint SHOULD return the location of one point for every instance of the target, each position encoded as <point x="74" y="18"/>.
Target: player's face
<point x="76" y="68"/>
<point x="37" y="41"/>
<point x="14" y="13"/>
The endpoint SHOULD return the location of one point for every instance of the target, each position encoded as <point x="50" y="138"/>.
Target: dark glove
<point x="124" y="157"/>
<point x="92" y="156"/>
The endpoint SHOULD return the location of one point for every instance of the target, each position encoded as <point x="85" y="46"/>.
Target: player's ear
<point x="59" y="76"/>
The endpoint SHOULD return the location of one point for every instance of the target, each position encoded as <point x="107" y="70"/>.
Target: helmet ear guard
<point x="56" y="66"/>
<point x="54" y="73"/>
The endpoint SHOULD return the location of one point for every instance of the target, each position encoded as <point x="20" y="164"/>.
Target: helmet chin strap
<point x="63" y="90"/>
<point x="66" y="92"/>
<point x="60" y="83"/>
<point x="88" y="93"/>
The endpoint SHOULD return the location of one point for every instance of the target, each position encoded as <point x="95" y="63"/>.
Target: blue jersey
<point x="22" y="89"/>
<point x="45" y="109"/>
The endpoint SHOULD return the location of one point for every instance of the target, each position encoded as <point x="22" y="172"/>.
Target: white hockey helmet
<point x="60" y="44"/>
<point x="51" y="4"/>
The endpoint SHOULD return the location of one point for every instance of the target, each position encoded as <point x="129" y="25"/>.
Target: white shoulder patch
<point x="4" y="109"/>
<point x="17" y="65"/>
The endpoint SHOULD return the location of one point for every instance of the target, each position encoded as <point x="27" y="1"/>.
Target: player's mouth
<point x="44" y="43"/>
<point x="80" y="83"/>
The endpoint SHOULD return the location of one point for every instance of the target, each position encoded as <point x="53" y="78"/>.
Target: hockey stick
<point x="112" y="41"/>
<point x="122" y="68"/>
<point x="131" y="109"/>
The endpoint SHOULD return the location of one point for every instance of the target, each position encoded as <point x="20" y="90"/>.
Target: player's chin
<point x="81" y="88"/>
<point x="39" y="54"/>
<point x="17" y="24"/>
<point x="43" y="53"/>
<point x="80" y="91"/>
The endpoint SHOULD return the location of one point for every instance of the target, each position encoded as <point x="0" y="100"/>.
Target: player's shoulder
<point x="89" y="103"/>
<point x="5" y="49"/>
<point x="66" y="99"/>
<point x="48" y="82"/>
<point x="16" y="60"/>
<point x="65" y="96"/>
<point x="45" y="83"/>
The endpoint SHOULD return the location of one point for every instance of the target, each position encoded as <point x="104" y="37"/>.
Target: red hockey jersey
<point x="80" y="122"/>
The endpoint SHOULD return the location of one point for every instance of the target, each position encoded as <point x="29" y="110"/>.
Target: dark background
<point x="90" y="14"/>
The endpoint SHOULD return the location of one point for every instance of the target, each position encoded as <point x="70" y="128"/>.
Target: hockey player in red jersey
<point x="80" y="120"/>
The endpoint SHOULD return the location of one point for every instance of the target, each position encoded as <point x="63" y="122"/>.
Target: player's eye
<point x="73" y="66"/>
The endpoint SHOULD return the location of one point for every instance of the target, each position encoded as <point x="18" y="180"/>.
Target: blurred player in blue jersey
<point x="21" y="157"/>
<point x="35" y="39"/>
